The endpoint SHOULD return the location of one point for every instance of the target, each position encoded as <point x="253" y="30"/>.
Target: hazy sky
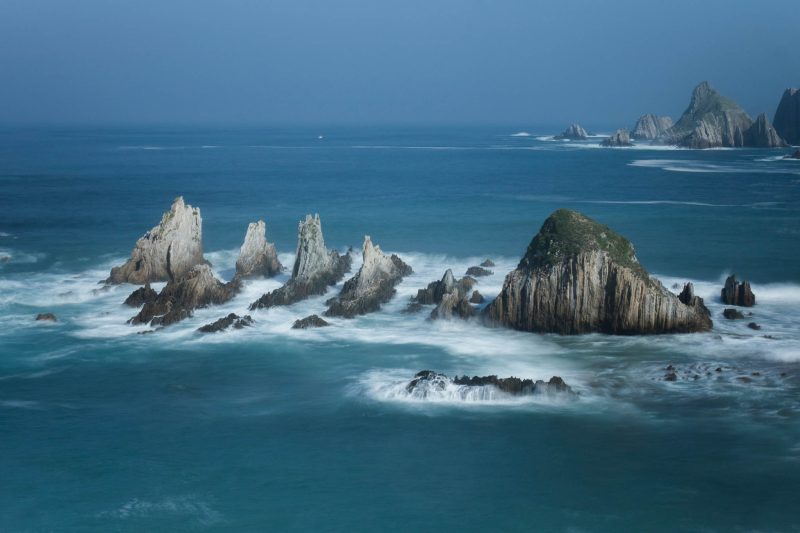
<point x="376" y="61"/>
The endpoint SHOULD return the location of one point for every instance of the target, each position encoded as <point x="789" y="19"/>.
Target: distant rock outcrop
<point x="761" y="134"/>
<point x="141" y="296"/>
<point x="232" y="320"/>
<point x="257" y="257"/>
<point x="428" y="382"/>
<point x="46" y="317"/>
<point x="478" y="272"/>
<point x="315" y="268"/>
<point x="795" y="155"/>
<point x="651" y="127"/>
<point x="176" y="301"/>
<point x="787" y="116"/>
<point x="574" y="133"/>
<point x="579" y="276"/>
<point x="311" y="321"/>
<point x="737" y="293"/>
<point x="618" y="139"/>
<point x="449" y="295"/>
<point x="166" y="252"/>
<point x="372" y="286"/>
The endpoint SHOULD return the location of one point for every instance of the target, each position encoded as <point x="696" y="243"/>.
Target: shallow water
<point x="273" y="428"/>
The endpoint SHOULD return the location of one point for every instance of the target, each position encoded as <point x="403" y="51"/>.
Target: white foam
<point x="521" y="134"/>
<point x="701" y="167"/>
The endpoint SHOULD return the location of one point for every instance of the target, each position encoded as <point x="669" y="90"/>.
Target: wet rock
<point x="737" y="293"/>
<point x="476" y="298"/>
<point x="619" y="138"/>
<point x="574" y="133"/>
<point x="257" y="257"/>
<point x="166" y="252"/>
<point x="413" y="307"/>
<point x="430" y="380"/>
<point x="732" y="314"/>
<point x="487" y="264"/>
<point x="651" y="127"/>
<point x="47" y="317"/>
<point x="232" y="320"/>
<point x="311" y="321"/>
<point x="671" y="376"/>
<point x="795" y="155"/>
<point x="449" y="295"/>
<point x="579" y="276"/>
<point x="478" y="272"/>
<point x="753" y="325"/>
<point x="141" y="296"/>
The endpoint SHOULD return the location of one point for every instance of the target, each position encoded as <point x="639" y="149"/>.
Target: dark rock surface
<point x="449" y="295"/>
<point x="761" y="134"/>
<point x="311" y="321"/>
<point x="141" y="296"/>
<point x="478" y="272"/>
<point x="476" y="298"/>
<point x="619" y="138"/>
<point x="787" y="116"/>
<point x="795" y="155"/>
<point x="753" y="325"/>
<point x="512" y="385"/>
<point x="737" y="293"/>
<point x="732" y="314"/>
<point x="47" y="317"/>
<point x="487" y="263"/>
<point x="234" y="320"/>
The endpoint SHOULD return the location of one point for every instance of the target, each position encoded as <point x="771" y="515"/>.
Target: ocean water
<point x="268" y="428"/>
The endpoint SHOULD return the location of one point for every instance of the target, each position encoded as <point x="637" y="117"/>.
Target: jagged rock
<point x="488" y="263"/>
<point x="737" y="293"/>
<point x="311" y="321"/>
<point x="428" y="380"/>
<point x="176" y="301"/>
<point x="762" y="135"/>
<point x="453" y="304"/>
<point x="141" y="296"/>
<point x="477" y="272"/>
<point x="315" y="268"/>
<point x="372" y="286"/>
<point x="651" y="127"/>
<point x="476" y="298"/>
<point x="449" y="295"/>
<point x="753" y="325"/>
<point x="257" y="257"/>
<point x="787" y="116"/>
<point x="732" y="314"/>
<point x="47" y="317"/>
<point x="166" y="252"/>
<point x="795" y="155"/>
<point x="574" y="133"/>
<point x="238" y="322"/>
<point x="618" y="138"/>
<point x="579" y="276"/>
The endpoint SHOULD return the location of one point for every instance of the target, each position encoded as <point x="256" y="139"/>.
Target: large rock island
<point x="787" y="116"/>
<point x="579" y="276"/>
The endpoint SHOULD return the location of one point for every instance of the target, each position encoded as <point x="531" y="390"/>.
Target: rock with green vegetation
<point x="579" y="276"/>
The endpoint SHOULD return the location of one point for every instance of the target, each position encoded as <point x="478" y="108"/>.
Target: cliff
<point x="651" y="127"/>
<point x="787" y="117"/>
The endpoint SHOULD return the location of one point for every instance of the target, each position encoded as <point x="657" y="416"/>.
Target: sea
<point x="269" y="428"/>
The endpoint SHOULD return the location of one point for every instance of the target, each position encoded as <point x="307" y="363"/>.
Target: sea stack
<point x="579" y="276"/>
<point x="257" y="257"/>
<point x="618" y="139"/>
<point x="761" y="134"/>
<point x="573" y="133"/>
<point x="315" y="268"/>
<point x="651" y="127"/>
<point x="166" y="252"/>
<point x="372" y="286"/>
<point x="787" y="117"/>
<point x="449" y="295"/>
<point x="737" y="293"/>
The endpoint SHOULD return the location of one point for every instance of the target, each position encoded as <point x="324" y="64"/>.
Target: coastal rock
<point x="477" y="272"/>
<point x="574" y="133"/>
<point x="46" y="317"/>
<point x="762" y="135"/>
<point x="787" y="116"/>
<point x="449" y="295"/>
<point x="737" y="293"/>
<point x="176" y="301"/>
<point x="257" y="257"/>
<point x="427" y="382"/>
<point x="315" y="268"/>
<point x="372" y="286"/>
<point x="311" y="321"/>
<point x="141" y="296"/>
<point x="618" y="139"/>
<point x="732" y="314"/>
<point x="166" y="252"/>
<point x="579" y="276"/>
<point x="487" y="263"/>
<point x="476" y="298"/>
<point x="753" y="325"/>
<point x="651" y="127"/>
<point x="795" y="155"/>
<point x="238" y="322"/>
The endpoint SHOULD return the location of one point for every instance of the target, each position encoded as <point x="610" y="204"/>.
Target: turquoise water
<point x="102" y="429"/>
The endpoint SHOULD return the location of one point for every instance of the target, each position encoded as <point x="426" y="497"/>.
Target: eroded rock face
<point x="579" y="276"/>
<point x="651" y="127"/>
<point x="257" y="257"/>
<point x="574" y="133"/>
<point x="476" y="298"/>
<point x="166" y="252"/>
<point x="477" y="272"/>
<point x="372" y="286"/>
<point x="315" y="268"/>
<point x="141" y="296"/>
<point x="619" y="138"/>
<point x="737" y="293"/>
<point x="795" y="155"/>
<point x="428" y="381"/>
<point x="787" y="116"/>
<point x="176" y="301"/>
<point x="761" y="134"/>
<point x="311" y="321"/>
<point x="449" y="295"/>
<point x="232" y="320"/>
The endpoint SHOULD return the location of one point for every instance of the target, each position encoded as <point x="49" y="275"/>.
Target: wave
<point x="7" y="235"/>
<point x="702" y="167"/>
<point x="180" y="506"/>
<point x="9" y="255"/>
<point x="521" y="134"/>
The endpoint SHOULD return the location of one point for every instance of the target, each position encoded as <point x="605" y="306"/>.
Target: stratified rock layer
<point x="579" y="276"/>
<point x="166" y="252"/>
<point x="257" y="257"/>
<point x="761" y="134"/>
<point x="574" y="133"/>
<point x="787" y="116"/>
<point x="372" y="286"/>
<point x="651" y="127"/>
<point x="617" y="139"/>
<point x="737" y="293"/>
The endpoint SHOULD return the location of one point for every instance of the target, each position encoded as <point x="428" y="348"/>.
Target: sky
<point x="284" y="62"/>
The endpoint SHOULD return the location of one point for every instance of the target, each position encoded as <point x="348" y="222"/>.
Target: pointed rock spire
<point x="257" y="257"/>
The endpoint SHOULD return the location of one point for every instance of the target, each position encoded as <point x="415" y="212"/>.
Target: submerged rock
<point x="166" y="252"/>
<point x="257" y="257"/>
<point x="795" y="155"/>
<point x="477" y="272"/>
<point x="141" y="296"/>
<point x="579" y="276"/>
<point x="315" y="268"/>
<point x="651" y="127"/>
<point x="574" y="133"/>
<point x="176" y="301"/>
<point x="618" y="138"/>
<point x="787" y="117"/>
<point x="449" y="295"/>
<point x="311" y="321"/>
<point x="372" y="286"/>
<point x="737" y="293"/>
<point x="47" y="317"/>
<point x="732" y="314"/>
<point x="238" y="322"/>
<point x="428" y="381"/>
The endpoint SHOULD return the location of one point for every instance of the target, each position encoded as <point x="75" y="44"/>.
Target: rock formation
<point x="736" y="293"/>
<point x="166" y="252"/>
<point x="177" y="300"/>
<point x="617" y="139"/>
<point x="428" y="381"/>
<point x="315" y="268"/>
<point x="449" y="295"/>
<point x="488" y="263"/>
<point x="712" y="120"/>
<point x="478" y="272"/>
<point x="787" y="117"/>
<point x="46" y="317"/>
<point x="476" y="298"/>
<point x="373" y="285"/>
<point x="311" y="321"/>
<point x="574" y="133"/>
<point x="238" y="322"/>
<point x="257" y="257"/>
<point x="141" y="296"/>
<point x="651" y="127"/>
<point x="732" y="314"/>
<point x="579" y="276"/>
